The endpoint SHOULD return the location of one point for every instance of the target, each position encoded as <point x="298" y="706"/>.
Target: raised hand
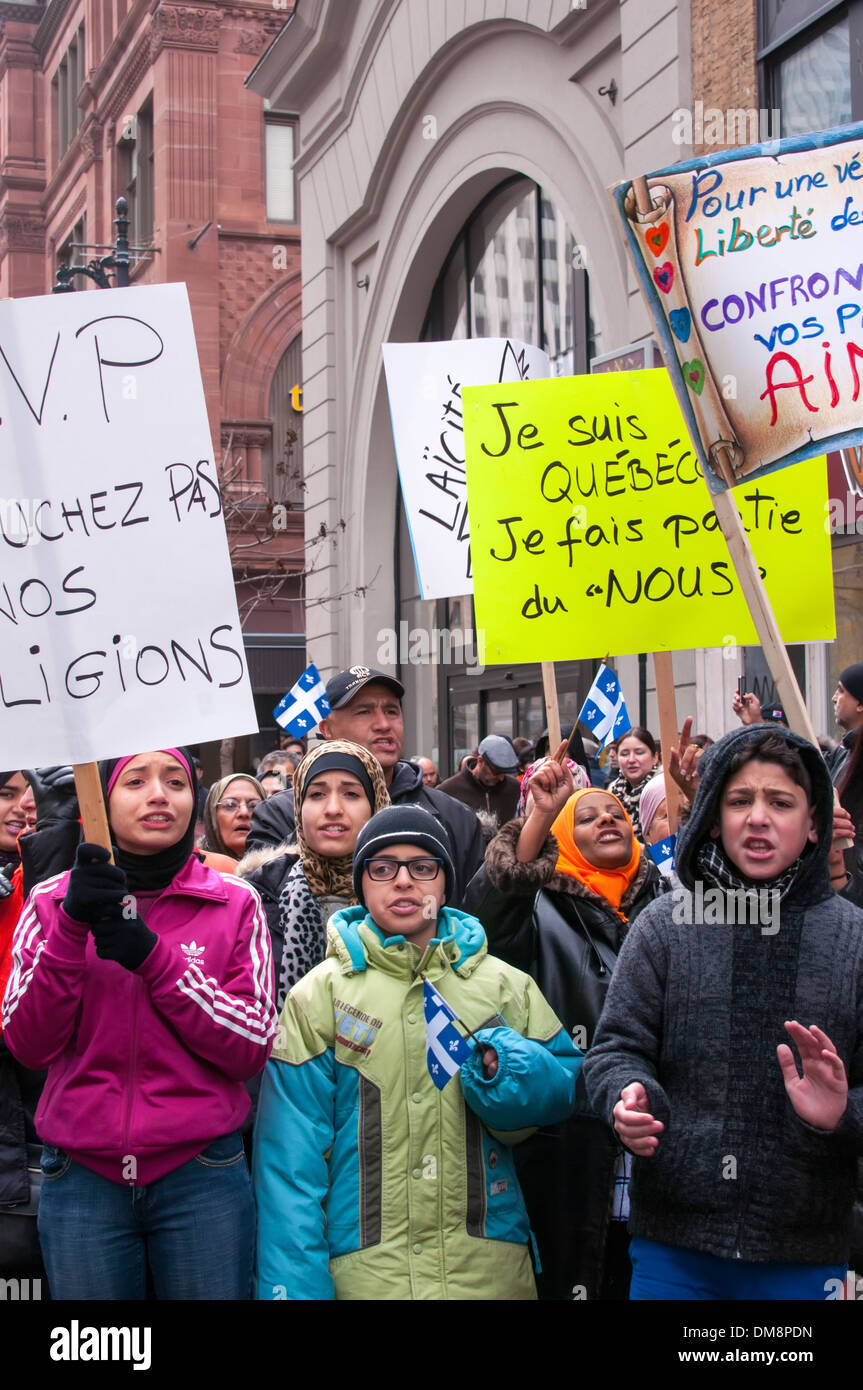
<point x="636" y="1128"/>
<point x="683" y="761"/>
<point x="552" y="785"/>
<point x="747" y="708"/>
<point x="820" y="1095"/>
<point x="843" y="835"/>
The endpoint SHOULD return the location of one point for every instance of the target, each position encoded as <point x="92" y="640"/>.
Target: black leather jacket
<point x="566" y="937"/>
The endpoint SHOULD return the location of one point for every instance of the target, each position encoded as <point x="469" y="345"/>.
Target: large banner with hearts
<point x="751" y="262"/>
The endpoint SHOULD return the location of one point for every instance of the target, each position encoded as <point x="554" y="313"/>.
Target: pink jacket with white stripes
<point x="145" y="1067"/>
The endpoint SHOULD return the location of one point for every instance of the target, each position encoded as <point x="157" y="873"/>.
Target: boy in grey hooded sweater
<point x="743" y="1182"/>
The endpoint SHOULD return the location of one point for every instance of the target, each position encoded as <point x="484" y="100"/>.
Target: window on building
<point x="136" y="172"/>
<point x="807" y="67"/>
<point x="283" y="464"/>
<point x="280" y="149"/>
<point x="65" y="86"/>
<point x="515" y="270"/>
<point x="496" y="282"/>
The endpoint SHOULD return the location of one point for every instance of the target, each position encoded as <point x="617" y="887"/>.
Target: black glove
<point x="5" y="886"/>
<point x="96" y="887"/>
<point x="54" y="794"/>
<point x="127" y="940"/>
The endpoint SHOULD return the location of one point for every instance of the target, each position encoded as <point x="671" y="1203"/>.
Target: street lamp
<point x="117" y="260"/>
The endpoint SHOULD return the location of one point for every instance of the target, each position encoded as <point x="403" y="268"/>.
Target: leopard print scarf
<point x="304" y="931"/>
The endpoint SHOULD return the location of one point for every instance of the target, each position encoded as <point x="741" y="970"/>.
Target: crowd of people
<point x="216" y="1079"/>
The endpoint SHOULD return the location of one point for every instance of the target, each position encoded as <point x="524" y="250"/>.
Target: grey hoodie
<point x="695" y="1013"/>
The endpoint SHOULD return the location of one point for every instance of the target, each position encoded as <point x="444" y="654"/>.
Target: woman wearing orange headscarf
<point x="556" y="895"/>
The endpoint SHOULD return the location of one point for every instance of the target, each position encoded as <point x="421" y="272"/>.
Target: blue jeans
<point x="669" y="1272"/>
<point x="194" y="1229"/>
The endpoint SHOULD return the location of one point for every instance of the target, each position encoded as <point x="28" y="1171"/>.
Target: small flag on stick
<point x="604" y="710"/>
<point x="305" y="704"/>
<point x="662" y="855"/>
<point x="446" y="1049"/>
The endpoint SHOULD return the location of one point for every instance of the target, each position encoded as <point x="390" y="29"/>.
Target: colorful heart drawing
<point x="656" y="239"/>
<point x="681" y="324"/>
<point x="693" y="374"/>
<point x="664" y="276"/>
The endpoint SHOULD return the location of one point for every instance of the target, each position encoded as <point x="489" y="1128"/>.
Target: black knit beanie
<point x="403" y="825"/>
<point x="852" y="679"/>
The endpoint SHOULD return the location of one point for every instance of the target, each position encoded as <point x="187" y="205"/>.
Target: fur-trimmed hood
<point x="256" y="858"/>
<point x="812" y="881"/>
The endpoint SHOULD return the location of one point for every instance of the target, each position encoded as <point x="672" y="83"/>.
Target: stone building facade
<point x="418" y="122"/>
<point x="146" y="99"/>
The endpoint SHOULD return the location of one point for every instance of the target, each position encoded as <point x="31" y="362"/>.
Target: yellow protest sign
<point x="592" y="529"/>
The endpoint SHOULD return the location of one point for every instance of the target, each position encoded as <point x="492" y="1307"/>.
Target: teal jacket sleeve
<point x="534" y="1083"/>
<point x="293" y="1135"/>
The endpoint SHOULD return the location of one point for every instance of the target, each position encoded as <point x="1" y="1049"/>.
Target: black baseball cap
<point x="773" y="714"/>
<point x="342" y="688"/>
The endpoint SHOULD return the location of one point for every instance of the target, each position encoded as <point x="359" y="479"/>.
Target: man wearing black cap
<point x="365" y="707"/>
<point x="848" y="708"/>
<point x="488" y="787"/>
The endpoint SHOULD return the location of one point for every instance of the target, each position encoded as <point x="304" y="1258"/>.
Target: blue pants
<point x="670" y="1272"/>
<point x="194" y="1229"/>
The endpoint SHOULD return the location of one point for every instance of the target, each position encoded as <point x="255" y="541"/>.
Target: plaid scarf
<point x="716" y="867"/>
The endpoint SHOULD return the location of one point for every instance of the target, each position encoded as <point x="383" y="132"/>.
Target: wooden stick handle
<point x="763" y="616"/>
<point x="669" y="733"/>
<point x="91" y="804"/>
<point x="552" y="711"/>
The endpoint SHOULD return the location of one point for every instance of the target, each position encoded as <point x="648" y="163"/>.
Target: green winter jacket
<point x="370" y="1182"/>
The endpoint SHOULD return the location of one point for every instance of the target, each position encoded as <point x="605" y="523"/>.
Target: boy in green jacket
<point x="371" y="1182"/>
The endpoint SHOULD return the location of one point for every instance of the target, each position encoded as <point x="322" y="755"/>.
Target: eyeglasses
<point x="233" y="803"/>
<point x="383" y="870"/>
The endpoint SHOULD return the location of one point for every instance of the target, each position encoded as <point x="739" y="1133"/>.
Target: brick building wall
<point x="79" y="79"/>
<point x="724" y="43"/>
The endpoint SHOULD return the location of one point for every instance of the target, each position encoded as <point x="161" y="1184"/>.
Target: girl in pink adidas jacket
<point x="145" y="987"/>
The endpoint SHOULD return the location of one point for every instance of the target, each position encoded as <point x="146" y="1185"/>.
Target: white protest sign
<point x="118" y="614"/>
<point x="424" y="382"/>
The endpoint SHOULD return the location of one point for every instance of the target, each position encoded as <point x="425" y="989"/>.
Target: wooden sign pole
<point x="91" y="804"/>
<point x="669" y="732"/>
<point x="552" y="711"/>
<point x="853" y="459"/>
<point x="763" y="617"/>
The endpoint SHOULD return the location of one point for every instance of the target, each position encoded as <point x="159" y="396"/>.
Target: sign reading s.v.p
<point x="751" y="262"/>
<point x="593" y="531"/>
<point x="118" y="618"/>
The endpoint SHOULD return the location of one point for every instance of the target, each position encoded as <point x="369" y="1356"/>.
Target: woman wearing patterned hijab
<point x="338" y="786"/>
